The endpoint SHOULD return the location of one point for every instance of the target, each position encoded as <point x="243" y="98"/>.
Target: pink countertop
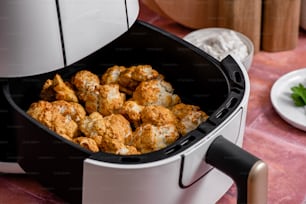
<point x="267" y="136"/>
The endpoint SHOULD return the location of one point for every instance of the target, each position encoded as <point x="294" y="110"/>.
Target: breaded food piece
<point x="148" y="137"/>
<point x="130" y="78"/>
<point x="87" y="143"/>
<point x="58" y="116"/>
<point x="85" y="81"/>
<point x="126" y="82"/>
<point x="71" y="109"/>
<point x="110" y="99"/>
<point x="118" y="129"/>
<point x="119" y="148"/>
<point x="157" y="115"/>
<point x="93" y="126"/>
<point x="63" y="91"/>
<point x="109" y="132"/>
<point x="47" y="92"/>
<point x="42" y="112"/>
<point x="112" y="74"/>
<point x="144" y="73"/>
<point x="87" y="85"/>
<point x="155" y="92"/>
<point x="189" y="117"/>
<point x="57" y="89"/>
<point x="65" y="126"/>
<point x="127" y="150"/>
<point x="132" y="111"/>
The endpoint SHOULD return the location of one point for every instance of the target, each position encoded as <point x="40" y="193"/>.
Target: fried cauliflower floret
<point x="116" y="147"/>
<point x="112" y="74"/>
<point x="189" y="117"/>
<point x="155" y="92"/>
<point x="148" y="137"/>
<point x="57" y="89"/>
<point x="71" y="109"/>
<point x="42" y="112"/>
<point x="157" y="115"/>
<point x="87" y="86"/>
<point x="93" y="126"/>
<point x="85" y="81"/>
<point x="58" y="116"/>
<point x="144" y="73"/>
<point x="65" y="126"/>
<point x="118" y="129"/>
<point x="110" y="99"/>
<point x="87" y="143"/>
<point x="63" y="91"/>
<point x="132" y="111"/>
<point x="126" y="82"/>
<point x="47" y="93"/>
<point x="109" y="132"/>
<point x="130" y="78"/>
<point x="127" y="150"/>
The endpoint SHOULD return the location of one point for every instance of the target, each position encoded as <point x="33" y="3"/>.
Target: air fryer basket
<point x="199" y="79"/>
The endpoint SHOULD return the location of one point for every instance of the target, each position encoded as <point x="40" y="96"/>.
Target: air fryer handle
<point x="249" y="173"/>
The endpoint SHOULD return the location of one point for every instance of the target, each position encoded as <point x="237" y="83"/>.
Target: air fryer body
<point x="177" y="174"/>
<point x="183" y="178"/>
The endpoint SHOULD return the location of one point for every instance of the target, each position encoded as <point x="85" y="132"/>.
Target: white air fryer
<point x="40" y="37"/>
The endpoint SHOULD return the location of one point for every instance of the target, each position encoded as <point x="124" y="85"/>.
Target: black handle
<point x="248" y="172"/>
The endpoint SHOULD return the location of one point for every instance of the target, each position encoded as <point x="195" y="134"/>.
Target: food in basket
<point x="125" y="111"/>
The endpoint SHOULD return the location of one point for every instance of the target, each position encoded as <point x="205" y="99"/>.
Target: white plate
<point x="281" y="98"/>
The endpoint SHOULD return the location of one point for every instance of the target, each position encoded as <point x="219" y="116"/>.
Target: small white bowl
<point x="224" y="41"/>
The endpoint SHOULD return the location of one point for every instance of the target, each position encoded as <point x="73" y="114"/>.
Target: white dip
<point x="222" y="44"/>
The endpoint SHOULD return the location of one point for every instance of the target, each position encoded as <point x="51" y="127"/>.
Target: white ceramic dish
<point x="282" y="102"/>
<point x="200" y="37"/>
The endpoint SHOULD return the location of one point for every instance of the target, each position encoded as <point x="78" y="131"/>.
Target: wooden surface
<point x="280" y="24"/>
<point x="242" y="16"/>
<point x="267" y="136"/>
<point x="191" y="13"/>
<point x="154" y="7"/>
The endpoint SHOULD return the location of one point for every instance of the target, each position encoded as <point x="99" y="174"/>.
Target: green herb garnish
<point x="299" y="95"/>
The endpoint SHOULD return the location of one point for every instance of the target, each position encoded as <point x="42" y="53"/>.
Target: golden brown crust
<point x="59" y="116"/>
<point x="93" y="125"/>
<point x="96" y="115"/>
<point x="110" y="99"/>
<point x="87" y="85"/>
<point x="109" y="132"/>
<point x="132" y="111"/>
<point x="87" y="143"/>
<point x="63" y="91"/>
<point x="148" y="138"/>
<point x="47" y="93"/>
<point x="189" y="117"/>
<point x="143" y="73"/>
<point x="112" y="74"/>
<point x="157" y="115"/>
<point x="155" y="92"/>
